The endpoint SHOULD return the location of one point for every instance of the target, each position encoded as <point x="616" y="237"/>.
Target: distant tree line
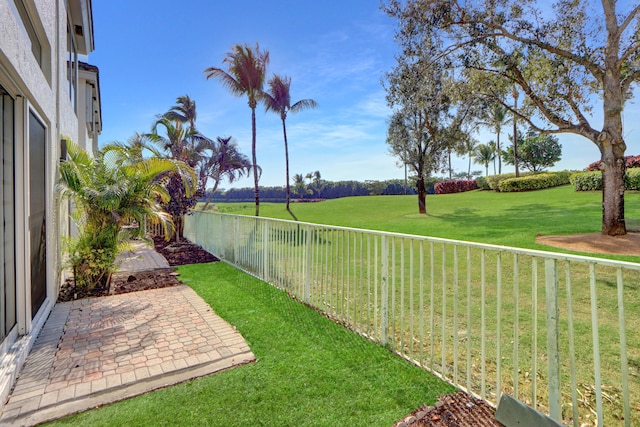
<point x="327" y="190"/>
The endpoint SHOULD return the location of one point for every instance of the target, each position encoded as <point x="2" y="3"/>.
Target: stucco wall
<point x="43" y="89"/>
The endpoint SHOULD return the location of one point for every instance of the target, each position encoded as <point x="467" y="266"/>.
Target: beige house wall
<point x="41" y="89"/>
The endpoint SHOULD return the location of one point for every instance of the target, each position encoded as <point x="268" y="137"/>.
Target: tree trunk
<point x="253" y="158"/>
<point x="422" y="196"/>
<point x="613" y="171"/>
<point x="178" y="225"/>
<point x="610" y="141"/>
<point x="286" y="161"/>
<point x="498" y="154"/>
<point x="215" y="187"/>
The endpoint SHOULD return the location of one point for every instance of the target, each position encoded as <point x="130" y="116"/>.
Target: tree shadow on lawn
<point x="530" y="219"/>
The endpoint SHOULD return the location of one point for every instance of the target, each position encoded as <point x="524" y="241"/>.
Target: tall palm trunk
<point x="253" y="158"/>
<point x="286" y="160"/>
<point x="210" y="196"/>
<point x="498" y="153"/>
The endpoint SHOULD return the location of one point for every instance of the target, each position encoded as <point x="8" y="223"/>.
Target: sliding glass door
<point x="37" y="210"/>
<point x="8" y="301"/>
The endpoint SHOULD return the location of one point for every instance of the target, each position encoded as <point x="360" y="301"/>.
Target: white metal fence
<point x="560" y="333"/>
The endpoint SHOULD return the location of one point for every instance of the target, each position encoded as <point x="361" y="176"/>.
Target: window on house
<point x="30" y="31"/>
<point x="8" y="302"/>
<point x="72" y="68"/>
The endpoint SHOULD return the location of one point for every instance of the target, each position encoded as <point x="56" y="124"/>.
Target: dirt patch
<point x="452" y="410"/>
<point x="596" y="243"/>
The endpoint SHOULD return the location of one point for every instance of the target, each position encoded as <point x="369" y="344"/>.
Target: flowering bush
<point x="458" y="186"/>
<point x="630" y="162"/>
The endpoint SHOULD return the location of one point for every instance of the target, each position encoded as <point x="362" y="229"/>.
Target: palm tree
<point x="278" y="100"/>
<point x="299" y="186"/>
<point x="225" y="161"/>
<point x="484" y="154"/>
<point x="316" y="183"/>
<point x="495" y="118"/>
<point x="467" y="147"/>
<point x="187" y="145"/>
<point x="245" y="75"/>
<point x="111" y="190"/>
<point x="184" y="111"/>
<point x="494" y="148"/>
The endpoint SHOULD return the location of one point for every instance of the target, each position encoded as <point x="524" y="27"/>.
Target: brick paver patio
<point x="100" y="350"/>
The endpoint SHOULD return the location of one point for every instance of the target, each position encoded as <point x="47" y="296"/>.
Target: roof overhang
<point x="81" y="15"/>
<point x="91" y="74"/>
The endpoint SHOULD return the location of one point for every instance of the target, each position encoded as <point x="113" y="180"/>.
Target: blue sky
<point x="336" y="52"/>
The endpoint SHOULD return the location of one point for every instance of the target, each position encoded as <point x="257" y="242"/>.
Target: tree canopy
<point x="536" y="151"/>
<point x="567" y="60"/>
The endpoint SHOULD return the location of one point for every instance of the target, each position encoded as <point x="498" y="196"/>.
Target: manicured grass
<point x="310" y="370"/>
<point x="510" y="219"/>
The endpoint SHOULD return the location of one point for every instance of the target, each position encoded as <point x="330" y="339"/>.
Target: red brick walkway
<point x="100" y="350"/>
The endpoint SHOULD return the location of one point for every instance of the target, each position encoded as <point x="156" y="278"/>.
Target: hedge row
<point x="493" y="182"/>
<point x="592" y="181"/>
<point x="457" y="186"/>
<point x="535" y="182"/>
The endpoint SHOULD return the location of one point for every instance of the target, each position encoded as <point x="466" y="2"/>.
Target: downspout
<point x="56" y="202"/>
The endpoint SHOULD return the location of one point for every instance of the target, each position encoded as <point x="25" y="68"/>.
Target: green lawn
<point x="310" y="370"/>
<point x="510" y="219"/>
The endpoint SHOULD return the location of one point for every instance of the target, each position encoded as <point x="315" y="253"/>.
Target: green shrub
<point x="564" y="176"/>
<point x="587" y="181"/>
<point x="495" y="180"/>
<point x="482" y="182"/>
<point x="592" y="181"/>
<point x="632" y="179"/>
<point x="92" y="262"/>
<point x="533" y="182"/>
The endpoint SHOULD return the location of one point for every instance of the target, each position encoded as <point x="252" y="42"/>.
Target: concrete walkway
<point x="100" y="350"/>
<point x="142" y="256"/>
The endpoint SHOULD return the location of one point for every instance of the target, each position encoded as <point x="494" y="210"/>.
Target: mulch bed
<point x="452" y="410"/>
<point x="181" y="253"/>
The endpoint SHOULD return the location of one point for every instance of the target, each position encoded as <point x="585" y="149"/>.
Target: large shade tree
<point x="278" y="99"/>
<point x="568" y="60"/>
<point x="245" y="75"/>
<point x="429" y="120"/>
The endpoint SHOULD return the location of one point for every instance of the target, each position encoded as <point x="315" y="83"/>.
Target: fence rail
<point x="559" y="332"/>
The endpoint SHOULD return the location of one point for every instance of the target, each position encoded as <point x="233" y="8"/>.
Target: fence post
<point x="265" y="251"/>
<point x="307" y="265"/>
<point x="236" y="239"/>
<point x="553" y="338"/>
<point x="220" y="244"/>
<point x="384" y="311"/>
